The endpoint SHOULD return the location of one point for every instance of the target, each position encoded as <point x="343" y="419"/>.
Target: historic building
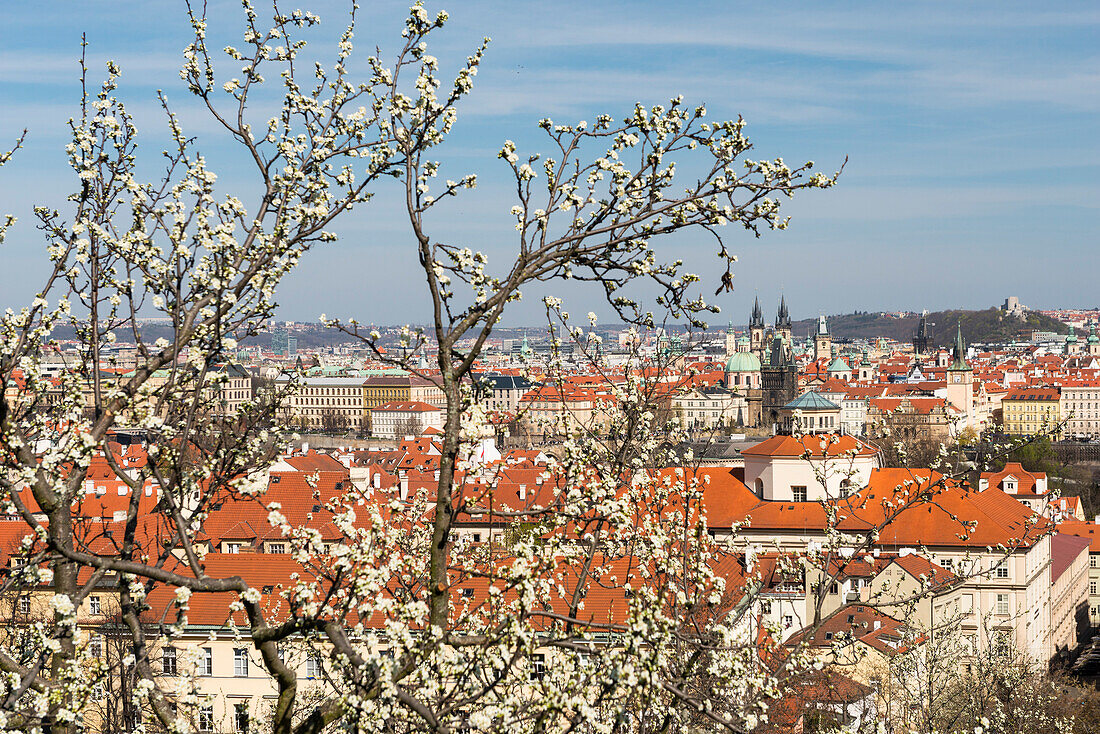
<point x="778" y="381"/>
<point x="823" y="341"/>
<point x="960" y="384"/>
<point x="922" y="341"/>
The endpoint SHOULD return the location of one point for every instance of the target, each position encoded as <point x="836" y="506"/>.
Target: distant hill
<point x="990" y="325"/>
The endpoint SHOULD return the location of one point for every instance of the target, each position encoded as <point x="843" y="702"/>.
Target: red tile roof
<point x="824" y="445"/>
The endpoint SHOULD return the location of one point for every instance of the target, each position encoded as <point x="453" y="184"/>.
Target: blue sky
<point x="970" y="130"/>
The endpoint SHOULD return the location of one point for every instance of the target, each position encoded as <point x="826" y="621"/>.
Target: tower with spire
<point x="1093" y="340"/>
<point x="960" y="379"/>
<point x="823" y="340"/>
<point x="922" y="341"/>
<point x="731" y="340"/>
<point x="757" y="342"/>
<point x="783" y="322"/>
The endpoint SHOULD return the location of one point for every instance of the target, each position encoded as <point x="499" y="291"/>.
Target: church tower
<point x="960" y="380"/>
<point x="731" y="340"/>
<point x="922" y="341"/>
<point x="783" y="322"/>
<point x="866" y="369"/>
<point x="823" y="341"/>
<point x="756" y="331"/>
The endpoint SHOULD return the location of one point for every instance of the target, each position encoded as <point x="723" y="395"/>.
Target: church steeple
<point x="823" y="341"/>
<point x="783" y="317"/>
<point x="958" y="353"/>
<point x="757" y="320"/>
<point x="923" y="338"/>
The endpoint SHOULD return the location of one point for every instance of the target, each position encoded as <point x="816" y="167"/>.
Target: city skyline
<point x="968" y="133"/>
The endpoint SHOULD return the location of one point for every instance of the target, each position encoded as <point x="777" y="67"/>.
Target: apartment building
<point x="1080" y="408"/>
<point x="328" y="403"/>
<point x="1032" y="410"/>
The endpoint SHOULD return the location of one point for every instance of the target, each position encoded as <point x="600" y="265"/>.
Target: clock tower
<point x="960" y="380"/>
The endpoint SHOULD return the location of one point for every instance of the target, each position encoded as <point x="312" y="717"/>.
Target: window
<point x="232" y="547"/>
<point x="240" y="717"/>
<point x="206" y="661"/>
<point x="1002" y="570"/>
<point x="538" y="666"/>
<point x="95" y="646"/>
<point x="24" y="605"/>
<point x="799" y="494"/>
<point x="1092" y="561"/>
<point x="168" y="661"/>
<point x="277" y="548"/>
<point x="240" y="662"/>
<point x="1092" y="588"/>
<point x="94" y="607"/>
<point x="1002" y="605"/>
<point x="788" y="621"/>
<point x="313" y="666"/>
<point x="206" y="718"/>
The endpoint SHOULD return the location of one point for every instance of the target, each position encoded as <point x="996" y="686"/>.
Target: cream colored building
<point x="325" y="402"/>
<point x="1080" y="407"/>
<point x="710" y="407"/>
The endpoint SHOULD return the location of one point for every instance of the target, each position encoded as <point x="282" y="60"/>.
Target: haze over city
<point x="969" y="132"/>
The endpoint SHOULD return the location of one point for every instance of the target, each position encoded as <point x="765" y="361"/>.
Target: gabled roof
<point x="1025" y="481"/>
<point x="1064" y="550"/>
<point x="828" y="445"/>
<point x="1082" y="529"/>
<point x="922" y="569"/>
<point x="919" y="507"/>
<point x="854" y="622"/>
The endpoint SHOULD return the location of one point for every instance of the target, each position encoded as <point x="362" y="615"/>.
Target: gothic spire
<point x="783" y="317"/>
<point x="959" y="351"/>
<point x="757" y="320"/>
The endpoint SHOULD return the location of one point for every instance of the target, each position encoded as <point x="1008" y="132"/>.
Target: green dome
<point x="743" y="362"/>
<point x="1072" y="338"/>
<point x="839" y="365"/>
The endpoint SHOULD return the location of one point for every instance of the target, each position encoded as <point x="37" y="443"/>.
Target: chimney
<point x="877" y="624"/>
<point x="376" y="480"/>
<point x="523" y="491"/>
<point x="404" y="486"/>
<point x="305" y="447"/>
